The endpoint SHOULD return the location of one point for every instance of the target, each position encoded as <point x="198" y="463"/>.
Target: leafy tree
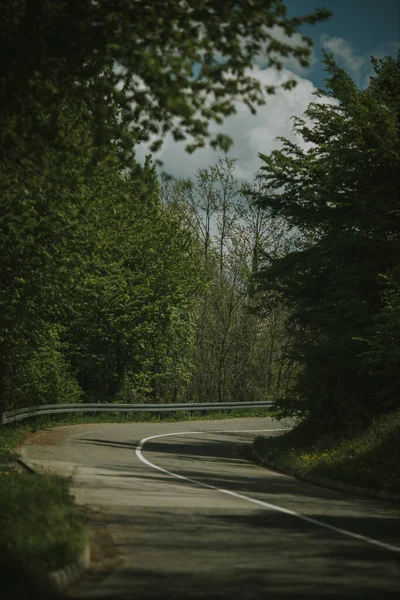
<point x="341" y="197"/>
<point x="381" y="359"/>
<point x="238" y="353"/>
<point x="164" y="65"/>
<point x="135" y="298"/>
<point x="37" y="370"/>
<point x="45" y="241"/>
<point x="97" y="279"/>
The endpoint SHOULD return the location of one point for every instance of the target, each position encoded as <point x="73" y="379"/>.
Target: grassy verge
<point x="368" y="458"/>
<point x="10" y="437"/>
<point x="40" y="528"/>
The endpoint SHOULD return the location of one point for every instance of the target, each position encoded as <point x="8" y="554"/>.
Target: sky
<point x="357" y="30"/>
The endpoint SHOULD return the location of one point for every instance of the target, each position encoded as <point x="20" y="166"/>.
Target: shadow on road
<point x="216" y="462"/>
<point x="228" y="549"/>
<point x="260" y="555"/>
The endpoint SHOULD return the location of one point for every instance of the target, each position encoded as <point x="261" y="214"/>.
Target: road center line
<point x="275" y="507"/>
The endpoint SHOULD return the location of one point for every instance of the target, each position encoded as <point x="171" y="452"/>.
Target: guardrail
<point x="53" y="409"/>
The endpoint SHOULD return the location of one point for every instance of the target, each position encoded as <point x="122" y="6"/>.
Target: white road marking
<point x="275" y="507"/>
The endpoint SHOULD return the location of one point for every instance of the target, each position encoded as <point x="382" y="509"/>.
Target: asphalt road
<point x="182" y="516"/>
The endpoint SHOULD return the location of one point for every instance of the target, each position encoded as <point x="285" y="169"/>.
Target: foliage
<point x="100" y="283"/>
<point x="10" y="437"/>
<point x="239" y="353"/>
<point x="366" y="457"/>
<point x="340" y="196"/>
<point x="98" y="279"/>
<point x="40" y="527"/>
<point x="177" y="64"/>
<point x="38" y="372"/>
<point x="382" y="357"/>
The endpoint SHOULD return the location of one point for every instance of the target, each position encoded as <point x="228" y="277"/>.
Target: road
<point x="175" y="513"/>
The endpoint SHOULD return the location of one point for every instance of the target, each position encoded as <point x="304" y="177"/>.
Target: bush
<point x="39" y="524"/>
<point x="368" y="457"/>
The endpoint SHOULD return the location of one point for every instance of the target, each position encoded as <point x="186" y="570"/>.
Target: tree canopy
<point x="165" y="65"/>
<point x="97" y="279"/>
<point x="341" y="196"/>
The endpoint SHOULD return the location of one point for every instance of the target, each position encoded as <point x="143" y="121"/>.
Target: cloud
<point x="342" y="50"/>
<point x="291" y="63"/>
<point x="251" y="133"/>
<point x="358" y="65"/>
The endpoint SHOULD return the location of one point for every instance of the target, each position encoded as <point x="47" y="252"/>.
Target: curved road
<point x="175" y="513"/>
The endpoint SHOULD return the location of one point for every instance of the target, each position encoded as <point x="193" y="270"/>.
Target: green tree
<point x="238" y="353"/>
<point x="97" y="278"/>
<point x="166" y="65"/>
<point x="381" y="360"/>
<point x="341" y="197"/>
<point x="134" y="301"/>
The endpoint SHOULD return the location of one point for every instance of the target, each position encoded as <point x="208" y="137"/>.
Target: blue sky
<point x="367" y="26"/>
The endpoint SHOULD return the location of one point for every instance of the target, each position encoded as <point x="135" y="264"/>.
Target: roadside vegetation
<point x="10" y="437"/>
<point x="46" y="421"/>
<point x="340" y="280"/>
<point x="40" y="525"/>
<point x="368" y="457"/>
<point x="112" y="289"/>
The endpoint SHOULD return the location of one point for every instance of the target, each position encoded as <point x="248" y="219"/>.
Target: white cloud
<point x="358" y="65"/>
<point x="342" y="50"/>
<point x="251" y="133"/>
<point x="291" y="63"/>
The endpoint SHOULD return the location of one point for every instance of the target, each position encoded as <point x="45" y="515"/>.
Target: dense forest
<point x="118" y="285"/>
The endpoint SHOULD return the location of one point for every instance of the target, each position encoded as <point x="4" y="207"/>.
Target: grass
<point x="369" y="457"/>
<point x="40" y="527"/>
<point x="10" y="437"/>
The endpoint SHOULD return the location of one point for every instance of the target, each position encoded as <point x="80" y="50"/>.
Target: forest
<point x="119" y="285"/>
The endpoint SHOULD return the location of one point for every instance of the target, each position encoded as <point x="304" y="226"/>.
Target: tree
<point x="161" y="65"/>
<point x="82" y="298"/>
<point x="263" y="237"/>
<point x="97" y="280"/>
<point x="238" y="350"/>
<point x="381" y="359"/>
<point x="341" y="197"/>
